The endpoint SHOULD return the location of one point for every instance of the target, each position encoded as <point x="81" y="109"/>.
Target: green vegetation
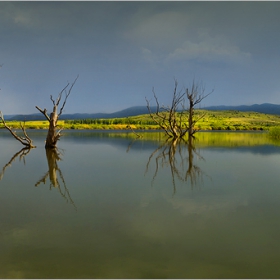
<point x="236" y="120"/>
<point x="274" y="132"/>
<point x="212" y="120"/>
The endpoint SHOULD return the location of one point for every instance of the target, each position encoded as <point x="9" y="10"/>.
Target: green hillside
<point x="212" y="120"/>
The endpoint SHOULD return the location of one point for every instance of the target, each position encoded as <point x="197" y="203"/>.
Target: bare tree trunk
<point x="195" y="95"/>
<point x="53" y="135"/>
<point x="191" y="122"/>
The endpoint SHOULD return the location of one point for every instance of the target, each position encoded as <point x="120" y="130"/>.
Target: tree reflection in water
<point x="178" y="155"/>
<point x="21" y="154"/>
<point x="55" y="175"/>
<point x="52" y="157"/>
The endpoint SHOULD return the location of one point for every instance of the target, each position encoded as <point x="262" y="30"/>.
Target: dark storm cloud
<point x="123" y="49"/>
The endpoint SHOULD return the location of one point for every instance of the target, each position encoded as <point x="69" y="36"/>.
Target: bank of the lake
<point x="211" y="120"/>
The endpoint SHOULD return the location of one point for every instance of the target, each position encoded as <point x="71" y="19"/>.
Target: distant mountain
<point x="129" y="112"/>
<point x="31" y="117"/>
<point x="266" y="108"/>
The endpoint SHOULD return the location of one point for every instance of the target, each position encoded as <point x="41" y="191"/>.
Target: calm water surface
<point x="107" y="206"/>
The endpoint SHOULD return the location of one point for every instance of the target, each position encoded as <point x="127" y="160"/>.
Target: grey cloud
<point x="160" y="30"/>
<point x="123" y="49"/>
<point x="168" y="27"/>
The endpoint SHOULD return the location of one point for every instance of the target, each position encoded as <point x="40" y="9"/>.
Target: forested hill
<point x="129" y="112"/>
<point x="266" y="108"/>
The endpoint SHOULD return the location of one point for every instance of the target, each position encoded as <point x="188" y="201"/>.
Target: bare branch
<point x="26" y="141"/>
<point x="158" y="117"/>
<point x="44" y="112"/>
<point x="51" y="98"/>
<point x="175" y="120"/>
<point x="171" y="119"/>
<point x="195" y="96"/>
<point x="67" y="94"/>
<point x="60" y="94"/>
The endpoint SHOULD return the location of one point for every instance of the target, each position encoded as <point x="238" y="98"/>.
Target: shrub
<point x="274" y="132"/>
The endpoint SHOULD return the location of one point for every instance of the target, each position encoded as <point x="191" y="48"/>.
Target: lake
<point x="108" y="205"/>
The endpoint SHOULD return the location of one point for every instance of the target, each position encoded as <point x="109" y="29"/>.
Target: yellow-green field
<point x="212" y="120"/>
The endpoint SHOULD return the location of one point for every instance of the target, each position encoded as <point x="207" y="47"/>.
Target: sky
<point x="123" y="50"/>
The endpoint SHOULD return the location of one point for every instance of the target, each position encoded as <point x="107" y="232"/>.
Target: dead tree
<point x="53" y="135"/>
<point x="26" y="140"/>
<point x="195" y="95"/>
<point x="172" y="119"/>
<point x="55" y="175"/>
<point x="178" y="155"/>
<point x="176" y="120"/>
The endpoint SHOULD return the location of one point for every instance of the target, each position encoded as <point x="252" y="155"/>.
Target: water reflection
<point x="55" y="175"/>
<point x="178" y="155"/>
<point x="126" y="229"/>
<point x="21" y="154"/>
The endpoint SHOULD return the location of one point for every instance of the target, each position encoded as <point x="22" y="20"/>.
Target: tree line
<point x="111" y="121"/>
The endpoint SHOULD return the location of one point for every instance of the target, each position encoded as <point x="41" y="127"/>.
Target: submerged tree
<point x="174" y="125"/>
<point x="24" y="140"/>
<point x="55" y="175"/>
<point x="54" y="135"/>
<point x="175" y="119"/>
<point x="178" y="155"/>
<point x="194" y="95"/>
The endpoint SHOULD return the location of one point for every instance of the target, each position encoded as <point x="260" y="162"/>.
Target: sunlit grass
<point x="274" y="132"/>
<point x="212" y="120"/>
